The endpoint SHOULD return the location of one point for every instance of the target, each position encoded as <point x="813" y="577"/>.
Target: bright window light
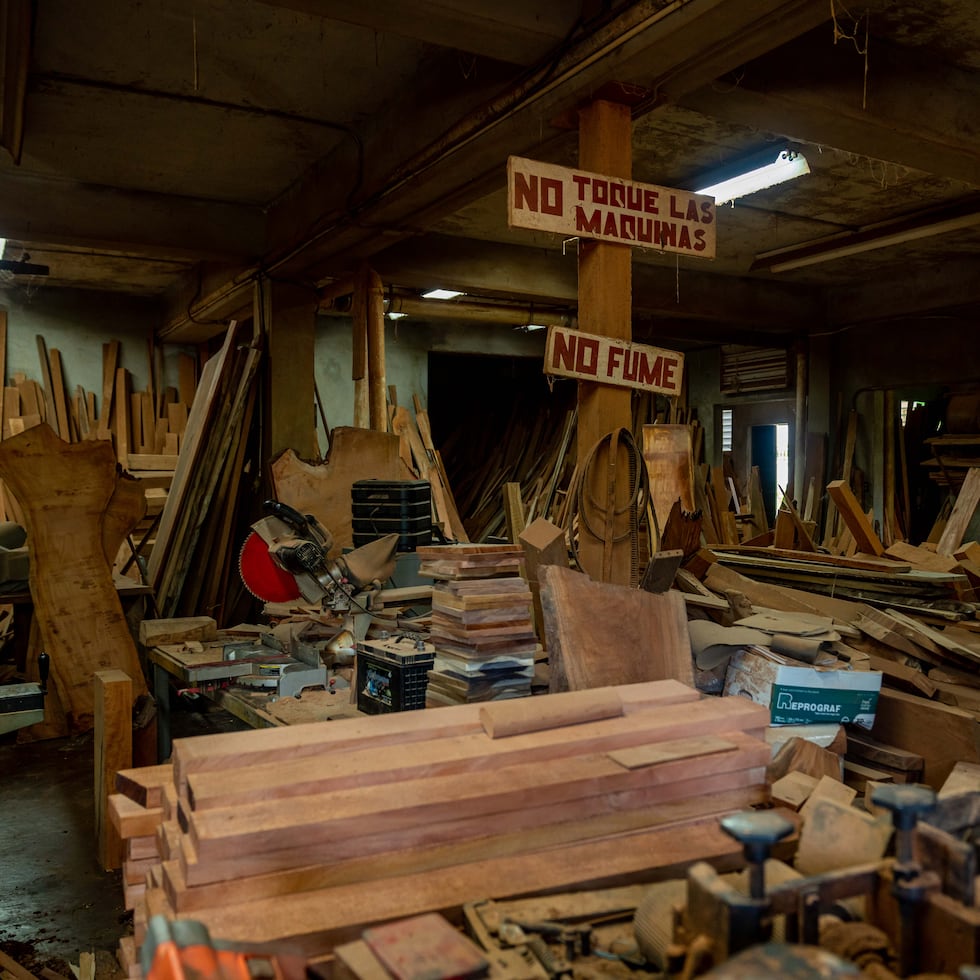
<point x="784" y="165"/>
<point x="441" y="294"/>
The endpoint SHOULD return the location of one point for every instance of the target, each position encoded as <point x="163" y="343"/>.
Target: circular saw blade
<point x="262" y="576"/>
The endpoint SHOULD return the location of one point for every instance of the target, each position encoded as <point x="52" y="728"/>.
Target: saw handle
<point x="288" y="514"/>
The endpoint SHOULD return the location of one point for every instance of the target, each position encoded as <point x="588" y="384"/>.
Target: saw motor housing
<point x="299" y="544"/>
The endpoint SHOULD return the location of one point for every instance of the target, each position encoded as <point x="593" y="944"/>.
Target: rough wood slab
<point x="866" y="562"/>
<point x="65" y="490"/>
<point x="856" y="520"/>
<point x="600" y="634"/>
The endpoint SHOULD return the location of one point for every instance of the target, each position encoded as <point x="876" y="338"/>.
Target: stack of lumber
<point x="307" y="835"/>
<point x="481" y="626"/>
<point x="190" y="566"/>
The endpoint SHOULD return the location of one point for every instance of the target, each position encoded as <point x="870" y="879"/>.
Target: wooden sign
<point x="589" y="357"/>
<point x="545" y="197"/>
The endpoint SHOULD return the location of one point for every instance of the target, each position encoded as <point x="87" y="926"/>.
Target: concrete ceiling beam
<point x="915" y="112"/>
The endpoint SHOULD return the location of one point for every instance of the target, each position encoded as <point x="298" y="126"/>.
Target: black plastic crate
<point x="392" y="683"/>
<point x="402" y="507"/>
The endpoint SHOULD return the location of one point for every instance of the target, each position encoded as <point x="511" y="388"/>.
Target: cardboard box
<point x="801" y="695"/>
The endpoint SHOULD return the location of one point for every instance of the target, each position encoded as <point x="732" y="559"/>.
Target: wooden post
<point x="359" y="352"/>
<point x="289" y="315"/>
<point x="799" y="429"/>
<point x="889" y="525"/>
<point x="604" y="308"/>
<point x="113" y="751"/>
<point x="377" y="388"/>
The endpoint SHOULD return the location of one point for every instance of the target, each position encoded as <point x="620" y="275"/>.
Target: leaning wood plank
<point x="14" y="968"/>
<point x="601" y="634"/>
<point x="522" y="715"/>
<point x="941" y="734"/>
<point x="324" y="489"/>
<point x="670" y="467"/>
<point x="110" y="360"/>
<point x="3" y="369"/>
<point x="50" y="412"/>
<point x="122" y="413"/>
<point x="113" y="751"/>
<point x="60" y="398"/>
<point x="64" y="490"/>
<point x="202" y="410"/>
<point x="232" y="760"/>
<point x="855" y="519"/>
<point x="964" y="511"/>
<point x="317" y="920"/>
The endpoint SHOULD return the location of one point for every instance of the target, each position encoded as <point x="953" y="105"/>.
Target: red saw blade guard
<point x="262" y="576"/>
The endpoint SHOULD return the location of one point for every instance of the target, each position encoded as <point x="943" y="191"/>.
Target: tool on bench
<point x="23" y="704"/>
<point x="285" y="558"/>
<point x="183" y="950"/>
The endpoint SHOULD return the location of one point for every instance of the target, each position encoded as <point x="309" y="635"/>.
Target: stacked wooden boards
<point x="481" y="627"/>
<point x="308" y="835"/>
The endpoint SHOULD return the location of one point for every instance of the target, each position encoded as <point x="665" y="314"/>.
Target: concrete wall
<point x="77" y="323"/>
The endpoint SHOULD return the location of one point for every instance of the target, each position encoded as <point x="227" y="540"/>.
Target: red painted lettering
<point x="699" y="243"/>
<point x="644" y="230"/>
<point x="609" y="228"/>
<point x="587" y="356"/>
<point x="665" y="233"/>
<point x="617" y="195"/>
<point x="613" y="359"/>
<point x="581" y="183"/>
<point x="630" y="365"/>
<point x="684" y="240"/>
<point x="692" y="210"/>
<point x="627" y="227"/>
<point x="668" y="373"/>
<point x="650" y="202"/>
<point x="646" y="374"/>
<point x="525" y="191"/>
<point x="707" y="212"/>
<point x="563" y="351"/>
<point x="591" y="225"/>
<point x="600" y="191"/>
<point x="634" y="198"/>
<point x="675" y="211"/>
<point x="551" y="196"/>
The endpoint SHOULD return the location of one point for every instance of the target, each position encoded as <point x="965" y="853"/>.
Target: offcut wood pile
<point x="310" y="834"/>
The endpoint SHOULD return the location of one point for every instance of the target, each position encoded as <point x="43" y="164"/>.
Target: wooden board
<point x="113" y="752"/>
<point x="941" y="734"/>
<point x="64" y="490"/>
<point x="670" y="468"/>
<point x="600" y="634"/>
<point x="855" y="519"/>
<point x="324" y="489"/>
<point x="963" y="517"/>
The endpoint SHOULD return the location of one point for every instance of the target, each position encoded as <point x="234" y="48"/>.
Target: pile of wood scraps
<point x="481" y="624"/>
<point x="309" y="834"/>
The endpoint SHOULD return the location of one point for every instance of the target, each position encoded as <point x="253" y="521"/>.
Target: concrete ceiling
<point x="175" y="148"/>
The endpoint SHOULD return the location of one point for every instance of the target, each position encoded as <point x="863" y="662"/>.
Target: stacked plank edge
<point x="308" y="835"/>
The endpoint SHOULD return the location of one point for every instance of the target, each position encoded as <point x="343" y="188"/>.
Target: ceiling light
<point x="396" y="316"/>
<point x="442" y="294"/>
<point x="755" y="174"/>
<point x="535" y="326"/>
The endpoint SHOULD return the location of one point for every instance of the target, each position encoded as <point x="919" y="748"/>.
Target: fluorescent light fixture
<point x="441" y="294"/>
<point x="535" y="326"/>
<point x="764" y="170"/>
<point x="396" y="316"/>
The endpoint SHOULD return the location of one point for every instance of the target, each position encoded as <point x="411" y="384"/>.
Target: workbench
<point x="188" y="669"/>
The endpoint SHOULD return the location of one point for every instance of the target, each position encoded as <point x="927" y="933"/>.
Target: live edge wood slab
<point x="65" y="491"/>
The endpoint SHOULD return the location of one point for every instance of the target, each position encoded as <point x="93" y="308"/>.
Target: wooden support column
<point x="799" y="429"/>
<point x="605" y="308"/>
<point x="377" y="387"/>
<point x="359" y="351"/>
<point x="288" y="314"/>
<point x="113" y="751"/>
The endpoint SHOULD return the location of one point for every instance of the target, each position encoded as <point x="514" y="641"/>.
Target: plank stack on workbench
<point x="309" y="834"/>
<point x="482" y="627"/>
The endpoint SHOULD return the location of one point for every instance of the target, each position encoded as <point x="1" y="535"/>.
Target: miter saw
<point x="285" y="558"/>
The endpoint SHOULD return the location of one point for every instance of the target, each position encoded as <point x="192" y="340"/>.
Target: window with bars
<point x="754" y="369"/>
<point x="727" y="424"/>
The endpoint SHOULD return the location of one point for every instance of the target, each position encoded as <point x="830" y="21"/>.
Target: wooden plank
<point x="187" y="378"/>
<point x="514" y="511"/>
<point x="11" y="408"/>
<point x="964" y="512"/>
<point x="110" y="361"/>
<point x="221" y="771"/>
<point x="145" y="785"/>
<point x="152" y="461"/>
<point x="683" y="748"/>
<point x="669" y="464"/>
<point x="121" y="426"/>
<point x="904" y="677"/>
<point x="132" y="820"/>
<point x="941" y="734"/>
<point x="3" y="370"/>
<point x="520" y="716"/>
<point x="50" y="411"/>
<point x="60" y="397"/>
<point x="856" y="521"/>
<point x="11" y="966"/>
<point x="113" y="752"/>
<point x="157" y="632"/>
<point x="543" y="544"/>
<point x="599" y="633"/>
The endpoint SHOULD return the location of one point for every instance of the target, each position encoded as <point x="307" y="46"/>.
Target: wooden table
<point x="200" y="671"/>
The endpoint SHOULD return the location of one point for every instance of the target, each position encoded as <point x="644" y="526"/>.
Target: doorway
<point x="769" y="450"/>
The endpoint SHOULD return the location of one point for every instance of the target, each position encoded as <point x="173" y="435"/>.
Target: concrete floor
<point x="55" y="900"/>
